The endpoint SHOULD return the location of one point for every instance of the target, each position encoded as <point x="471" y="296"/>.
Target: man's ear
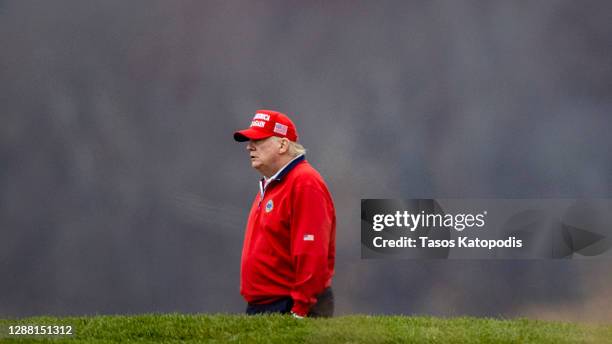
<point x="284" y="145"/>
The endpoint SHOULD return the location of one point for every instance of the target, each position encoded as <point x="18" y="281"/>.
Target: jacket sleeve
<point x="311" y="228"/>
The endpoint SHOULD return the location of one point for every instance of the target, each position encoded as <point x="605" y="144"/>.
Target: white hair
<point x="295" y="148"/>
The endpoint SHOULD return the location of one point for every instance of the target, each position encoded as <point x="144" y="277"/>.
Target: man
<point x="290" y="240"/>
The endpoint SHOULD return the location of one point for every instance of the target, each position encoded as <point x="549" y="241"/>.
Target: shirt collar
<point x="285" y="169"/>
<point x="282" y="172"/>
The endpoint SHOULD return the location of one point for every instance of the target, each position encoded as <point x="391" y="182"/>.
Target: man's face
<point x="264" y="155"/>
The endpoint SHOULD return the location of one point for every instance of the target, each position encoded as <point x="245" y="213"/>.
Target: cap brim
<point x="250" y="134"/>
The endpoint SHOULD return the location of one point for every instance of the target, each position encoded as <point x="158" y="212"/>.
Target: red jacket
<point x="290" y="240"/>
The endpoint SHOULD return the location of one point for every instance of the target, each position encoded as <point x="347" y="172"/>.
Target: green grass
<point x="181" y="328"/>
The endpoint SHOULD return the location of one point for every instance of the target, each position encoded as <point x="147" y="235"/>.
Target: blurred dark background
<point x="122" y="191"/>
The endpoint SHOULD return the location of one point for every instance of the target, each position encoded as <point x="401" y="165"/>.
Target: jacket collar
<point x="281" y="173"/>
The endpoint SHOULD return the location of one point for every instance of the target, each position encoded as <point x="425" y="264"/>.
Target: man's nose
<point x="250" y="146"/>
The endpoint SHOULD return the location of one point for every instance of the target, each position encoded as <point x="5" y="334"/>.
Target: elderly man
<point x="289" y="245"/>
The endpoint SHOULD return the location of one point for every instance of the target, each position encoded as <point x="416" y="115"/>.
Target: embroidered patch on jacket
<point x="269" y="206"/>
<point x="308" y="237"/>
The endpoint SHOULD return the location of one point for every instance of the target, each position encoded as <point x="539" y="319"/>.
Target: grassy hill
<point x="181" y="328"/>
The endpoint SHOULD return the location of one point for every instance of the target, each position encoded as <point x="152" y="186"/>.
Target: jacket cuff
<point x="300" y="308"/>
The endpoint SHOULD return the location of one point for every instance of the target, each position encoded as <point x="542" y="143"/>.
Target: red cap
<point x="268" y="123"/>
